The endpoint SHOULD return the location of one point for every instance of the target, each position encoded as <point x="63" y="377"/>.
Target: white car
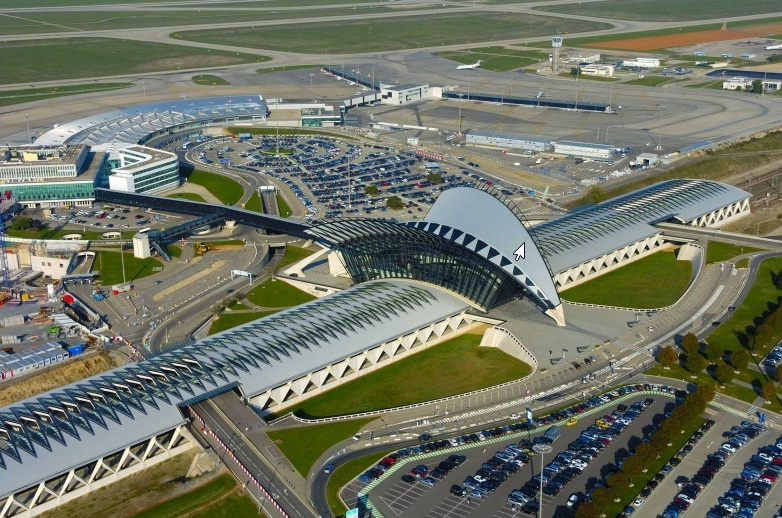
<point x="650" y="329"/>
<point x="766" y="457"/>
<point x="573" y="500"/>
<point x="682" y="496"/>
<point x="638" y="502"/>
<point x="728" y="447"/>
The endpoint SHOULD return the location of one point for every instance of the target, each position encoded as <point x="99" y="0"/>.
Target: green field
<point x="717" y="251"/>
<point x="302" y="446"/>
<point x="187" y="196"/>
<point x="228" y="191"/>
<point x="285" y="209"/>
<point x="277" y="294"/>
<point x="294" y="254"/>
<point x="401" y="381"/>
<point x="220" y="498"/>
<point x="254" y="203"/>
<point x="498" y="59"/>
<point x="27" y="95"/>
<point x="397" y="32"/>
<point x="72" y="58"/>
<point x="209" y="80"/>
<point x="772" y="141"/>
<point x="649" y="81"/>
<point x="174" y="251"/>
<point x="110" y="266"/>
<point x="655" y="281"/>
<point x="230" y="320"/>
<point x="664" y="10"/>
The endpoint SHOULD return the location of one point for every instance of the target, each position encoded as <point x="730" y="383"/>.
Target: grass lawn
<point x="398" y="32"/>
<point x="344" y="474"/>
<point x="400" y="383"/>
<point x="9" y="97"/>
<point x="717" y="251"/>
<point x="174" y="251"/>
<point x="187" y="196"/>
<point x="110" y="266"/>
<point x="285" y="209"/>
<point x="294" y="254"/>
<point x="302" y="446"/>
<point x="731" y="334"/>
<point x="231" y="320"/>
<point x="496" y="58"/>
<point x="655" y="281"/>
<point x="74" y="58"/>
<point x="209" y="80"/>
<point x="220" y="498"/>
<point x="649" y="81"/>
<point x="238" y="306"/>
<point x="254" y="203"/>
<point x="228" y="191"/>
<point x="663" y="10"/>
<point x="277" y="294"/>
<point x="640" y="480"/>
<point x="769" y="142"/>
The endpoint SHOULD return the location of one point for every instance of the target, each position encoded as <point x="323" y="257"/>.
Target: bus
<point x="144" y="230"/>
<point x="186" y="145"/>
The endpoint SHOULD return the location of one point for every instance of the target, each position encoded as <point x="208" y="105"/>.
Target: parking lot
<point x="107" y="218"/>
<point x="394" y="496"/>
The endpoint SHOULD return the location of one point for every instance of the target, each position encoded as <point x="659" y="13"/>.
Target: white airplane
<point x="774" y="47"/>
<point x="470" y="67"/>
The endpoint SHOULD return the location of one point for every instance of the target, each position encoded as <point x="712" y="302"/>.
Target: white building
<point x="36" y="164"/>
<point x="642" y="63"/>
<point x="584" y="149"/>
<point x="737" y="83"/>
<point x="507" y="141"/>
<point x="145" y="170"/>
<point x="400" y="95"/>
<point x="141" y="248"/>
<point x="598" y="70"/>
<point x="772" y="86"/>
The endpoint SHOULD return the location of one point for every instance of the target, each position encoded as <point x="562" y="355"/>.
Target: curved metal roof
<point x="484" y="224"/>
<point x="46" y="435"/>
<point x="135" y="123"/>
<point x="592" y="232"/>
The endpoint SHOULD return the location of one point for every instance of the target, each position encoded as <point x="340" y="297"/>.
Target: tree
<point x="691" y="344"/>
<point x="597" y="194"/>
<point x="757" y="86"/>
<point x="394" y="202"/>
<point x="21" y="223"/>
<point x="435" y="178"/>
<point x="618" y="482"/>
<point x="371" y="190"/>
<point x="668" y="356"/>
<point x="763" y="334"/>
<point x="713" y="351"/>
<point x="768" y="390"/>
<point x="601" y="497"/>
<point x="739" y="359"/>
<point x="659" y="441"/>
<point x="632" y="465"/>
<point x="575" y="71"/>
<point x="779" y="373"/>
<point x="724" y="373"/>
<point x="587" y="510"/>
<point x="695" y="363"/>
<point x="645" y="453"/>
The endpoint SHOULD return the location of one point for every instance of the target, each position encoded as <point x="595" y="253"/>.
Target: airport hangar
<point x="417" y="283"/>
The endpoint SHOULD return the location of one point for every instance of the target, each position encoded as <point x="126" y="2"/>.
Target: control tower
<point x="556" y="44"/>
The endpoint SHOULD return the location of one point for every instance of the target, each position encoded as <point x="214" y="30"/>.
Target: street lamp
<point x="660" y="137"/>
<point x="312" y="96"/>
<point x="27" y="119"/>
<point x="460" y="114"/>
<point x="542" y="449"/>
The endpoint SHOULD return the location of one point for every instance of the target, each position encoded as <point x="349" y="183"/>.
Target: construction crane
<point x="5" y="282"/>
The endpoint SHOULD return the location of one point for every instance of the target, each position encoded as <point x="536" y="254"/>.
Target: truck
<point x="121" y="288"/>
<point x="552" y="434"/>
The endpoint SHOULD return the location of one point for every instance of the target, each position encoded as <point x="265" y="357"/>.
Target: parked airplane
<point x="774" y="47"/>
<point x="470" y="67"/>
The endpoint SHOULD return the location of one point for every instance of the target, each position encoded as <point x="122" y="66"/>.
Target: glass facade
<point x="424" y="257"/>
<point x="49" y="193"/>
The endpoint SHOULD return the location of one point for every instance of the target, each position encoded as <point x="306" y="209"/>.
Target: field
<point x="209" y="80"/>
<point x="398" y="33"/>
<point x="664" y="10"/>
<point x="27" y="95"/>
<point x="221" y="498"/>
<point x="187" y="196"/>
<point x="254" y="203"/>
<point x="110" y="266"/>
<point x="498" y="59"/>
<point x="294" y="254"/>
<point x="655" y="281"/>
<point x="228" y="191"/>
<point x="717" y="251"/>
<point x="74" y="58"/>
<point x="230" y="320"/>
<point x="277" y="294"/>
<point x="302" y="446"/>
<point x="285" y="209"/>
<point x="341" y="476"/>
<point x="424" y="376"/>
<point x="598" y="40"/>
<point x="650" y="81"/>
<point x="674" y="40"/>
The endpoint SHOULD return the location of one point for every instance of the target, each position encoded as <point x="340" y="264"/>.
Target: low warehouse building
<point x="507" y="141"/>
<point x="584" y="149"/>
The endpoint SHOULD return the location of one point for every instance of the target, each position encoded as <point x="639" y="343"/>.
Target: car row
<point x="745" y="496"/>
<point x="774" y="356"/>
<point x="692" y="487"/>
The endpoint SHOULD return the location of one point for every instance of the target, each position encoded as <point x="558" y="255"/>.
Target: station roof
<point x="586" y="145"/>
<point x="592" y="232"/>
<point x="489" y="134"/>
<point x="135" y="123"/>
<point x="47" y="435"/>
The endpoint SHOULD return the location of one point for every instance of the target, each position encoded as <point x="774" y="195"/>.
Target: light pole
<point x="542" y="449"/>
<point x="27" y="119"/>
<point x="312" y="96"/>
<point x="460" y="114"/>
<point x="660" y="137"/>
